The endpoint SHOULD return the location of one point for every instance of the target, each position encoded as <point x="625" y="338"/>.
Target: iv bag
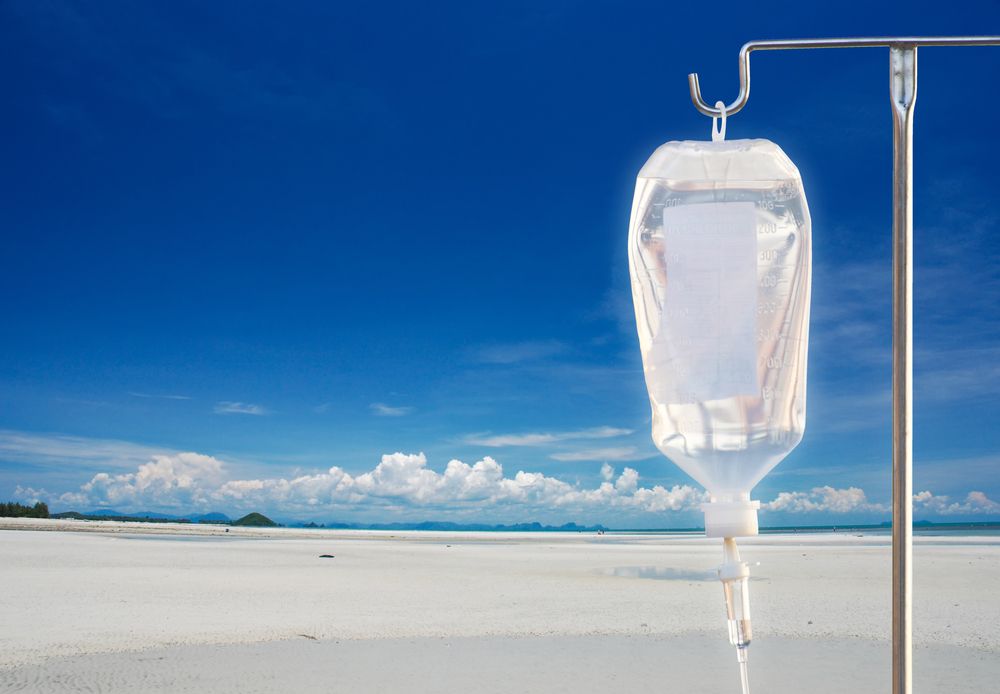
<point x="720" y="259"/>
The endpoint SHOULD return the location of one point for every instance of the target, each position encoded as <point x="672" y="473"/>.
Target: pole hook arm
<point x="741" y="99"/>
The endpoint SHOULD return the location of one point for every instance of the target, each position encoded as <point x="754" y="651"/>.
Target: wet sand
<point x="121" y="608"/>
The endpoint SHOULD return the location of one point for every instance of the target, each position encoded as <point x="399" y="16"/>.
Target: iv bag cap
<point x="731" y="518"/>
<point x="732" y="160"/>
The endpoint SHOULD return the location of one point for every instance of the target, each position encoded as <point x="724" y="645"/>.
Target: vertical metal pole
<point x="903" y="85"/>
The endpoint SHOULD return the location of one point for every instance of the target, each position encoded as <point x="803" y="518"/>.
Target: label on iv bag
<point x="706" y="343"/>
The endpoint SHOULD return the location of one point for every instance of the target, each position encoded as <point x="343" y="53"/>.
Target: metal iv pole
<point x="903" y="91"/>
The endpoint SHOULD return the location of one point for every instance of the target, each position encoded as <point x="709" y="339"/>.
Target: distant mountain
<point x="120" y="517"/>
<point x="255" y="520"/>
<point x="260" y="520"/>
<point x="214" y="517"/>
<point x="112" y="513"/>
<point x="75" y="515"/>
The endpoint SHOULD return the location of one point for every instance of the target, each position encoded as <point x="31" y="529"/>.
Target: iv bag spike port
<point x="801" y="44"/>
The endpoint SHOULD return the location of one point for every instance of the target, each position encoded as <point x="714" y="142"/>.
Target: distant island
<point x="144" y="517"/>
<point x="259" y="520"/>
<point x="251" y="520"/>
<point x="255" y="520"/>
<point x="41" y="510"/>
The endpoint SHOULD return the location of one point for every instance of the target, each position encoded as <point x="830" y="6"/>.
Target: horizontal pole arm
<point x="875" y="42"/>
<point x="797" y="44"/>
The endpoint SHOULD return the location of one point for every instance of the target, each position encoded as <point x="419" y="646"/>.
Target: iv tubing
<point x="735" y="574"/>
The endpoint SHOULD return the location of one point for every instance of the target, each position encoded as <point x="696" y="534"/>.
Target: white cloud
<point x="191" y="481"/>
<point x="405" y="478"/>
<point x="542" y="439"/>
<point x="159" y="397"/>
<point x="194" y="482"/>
<point x="513" y="353"/>
<point x="501" y="440"/>
<point x="181" y="480"/>
<point x="621" y="453"/>
<point x="70" y="452"/>
<point x="383" y="410"/>
<point x="229" y="407"/>
<point x="974" y="503"/>
<point x="824" y="499"/>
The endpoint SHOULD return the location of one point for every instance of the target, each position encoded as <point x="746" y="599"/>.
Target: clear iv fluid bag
<point x="720" y="260"/>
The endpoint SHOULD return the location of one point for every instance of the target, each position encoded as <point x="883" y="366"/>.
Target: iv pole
<point x="903" y="91"/>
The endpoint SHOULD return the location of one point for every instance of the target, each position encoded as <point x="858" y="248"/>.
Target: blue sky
<point x="250" y="249"/>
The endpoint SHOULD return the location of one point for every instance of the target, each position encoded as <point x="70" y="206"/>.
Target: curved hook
<point x="741" y="99"/>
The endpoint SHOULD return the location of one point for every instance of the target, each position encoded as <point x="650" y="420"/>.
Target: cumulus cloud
<point x="975" y="502"/>
<point x="181" y="480"/>
<point x="229" y="407"/>
<point x="401" y="478"/>
<point x="542" y="439"/>
<point x="193" y="481"/>
<point x="383" y="410"/>
<point x="824" y="499"/>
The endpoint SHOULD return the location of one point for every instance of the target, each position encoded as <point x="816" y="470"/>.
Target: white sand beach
<point x="116" y="607"/>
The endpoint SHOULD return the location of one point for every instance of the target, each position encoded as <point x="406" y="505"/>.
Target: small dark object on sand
<point x="326" y="556"/>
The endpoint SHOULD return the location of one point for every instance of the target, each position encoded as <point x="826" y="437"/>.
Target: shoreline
<point x="168" y="528"/>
